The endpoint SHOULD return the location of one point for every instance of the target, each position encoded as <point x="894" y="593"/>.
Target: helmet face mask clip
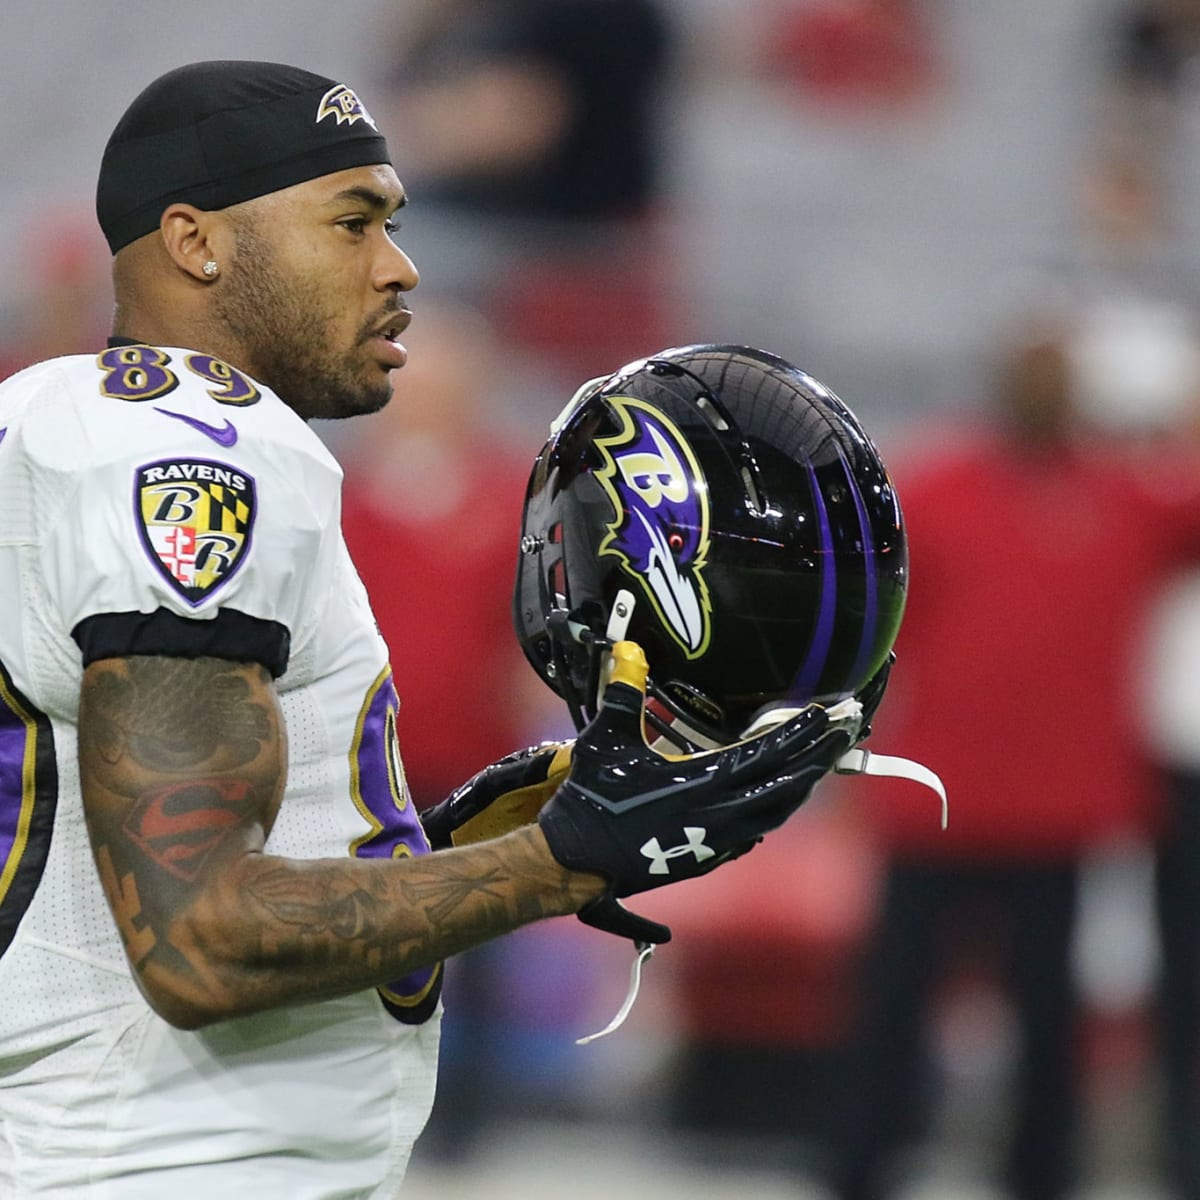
<point x="746" y="518"/>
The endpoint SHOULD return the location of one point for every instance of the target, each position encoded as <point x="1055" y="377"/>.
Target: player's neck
<point x="158" y="326"/>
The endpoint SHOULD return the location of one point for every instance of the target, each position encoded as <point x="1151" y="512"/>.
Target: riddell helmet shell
<point x="744" y="508"/>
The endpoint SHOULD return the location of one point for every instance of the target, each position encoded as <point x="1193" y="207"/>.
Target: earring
<point x="210" y="268"/>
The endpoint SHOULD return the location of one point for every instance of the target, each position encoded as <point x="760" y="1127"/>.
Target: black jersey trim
<point x="231" y="634"/>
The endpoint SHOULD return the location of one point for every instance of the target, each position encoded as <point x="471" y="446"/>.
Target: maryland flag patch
<point x="195" y="519"/>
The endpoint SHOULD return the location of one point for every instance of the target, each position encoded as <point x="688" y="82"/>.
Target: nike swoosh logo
<point x="223" y="437"/>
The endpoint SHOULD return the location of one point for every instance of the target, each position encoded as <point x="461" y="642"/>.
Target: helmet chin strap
<point x="860" y="761"/>
<point x="615" y="631"/>
<point x="866" y="762"/>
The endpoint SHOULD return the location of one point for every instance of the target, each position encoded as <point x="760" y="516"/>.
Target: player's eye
<point x="355" y="224"/>
<point x="391" y="228"/>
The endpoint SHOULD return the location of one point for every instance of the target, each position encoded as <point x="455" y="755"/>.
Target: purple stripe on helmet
<point x="818" y="650"/>
<point x="871" y="594"/>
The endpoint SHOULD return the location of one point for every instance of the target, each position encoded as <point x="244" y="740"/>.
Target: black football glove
<point x="500" y="798"/>
<point x="643" y="819"/>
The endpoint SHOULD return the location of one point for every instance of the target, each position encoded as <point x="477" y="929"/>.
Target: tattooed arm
<point x="183" y="763"/>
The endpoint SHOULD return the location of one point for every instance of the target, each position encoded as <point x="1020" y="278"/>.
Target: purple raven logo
<point x="661" y="527"/>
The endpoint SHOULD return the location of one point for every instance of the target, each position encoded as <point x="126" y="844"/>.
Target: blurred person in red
<point x="1035" y="553"/>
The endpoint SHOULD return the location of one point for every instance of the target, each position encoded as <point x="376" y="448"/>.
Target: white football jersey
<point x="136" y="483"/>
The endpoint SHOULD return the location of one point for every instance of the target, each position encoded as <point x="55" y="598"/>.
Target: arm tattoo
<point x="183" y="763"/>
<point x="373" y="920"/>
<point x="182" y="767"/>
<point x="175" y="714"/>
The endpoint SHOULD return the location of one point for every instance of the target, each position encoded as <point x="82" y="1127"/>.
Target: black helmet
<point x="740" y="506"/>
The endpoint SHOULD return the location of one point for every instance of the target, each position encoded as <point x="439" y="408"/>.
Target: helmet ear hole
<point x="713" y="414"/>
<point x="752" y="492"/>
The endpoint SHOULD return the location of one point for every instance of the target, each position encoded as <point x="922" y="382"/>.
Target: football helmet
<point x="727" y="512"/>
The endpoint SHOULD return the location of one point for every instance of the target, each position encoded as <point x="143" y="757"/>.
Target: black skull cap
<point x="214" y="134"/>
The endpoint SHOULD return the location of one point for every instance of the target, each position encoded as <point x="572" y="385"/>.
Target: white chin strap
<point x="865" y="762"/>
<point x="860" y="761"/>
<point x="644" y="953"/>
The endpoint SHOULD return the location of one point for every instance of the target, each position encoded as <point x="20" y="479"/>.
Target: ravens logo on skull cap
<point x="218" y="133"/>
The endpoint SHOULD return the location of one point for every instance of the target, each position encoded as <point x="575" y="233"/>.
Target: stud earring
<point x="210" y="268"/>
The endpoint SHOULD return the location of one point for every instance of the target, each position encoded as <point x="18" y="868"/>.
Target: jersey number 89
<point x="139" y="373"/>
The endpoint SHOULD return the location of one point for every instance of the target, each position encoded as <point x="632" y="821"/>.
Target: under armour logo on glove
<point x="694" y="845"/>
<point x="622" y="800"/>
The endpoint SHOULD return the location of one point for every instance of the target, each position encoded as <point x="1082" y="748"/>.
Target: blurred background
<point x="979" y="223"/>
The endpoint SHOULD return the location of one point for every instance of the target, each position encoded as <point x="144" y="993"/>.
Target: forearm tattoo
<point x="183" y="763"/>
<point x="368" y="917"/>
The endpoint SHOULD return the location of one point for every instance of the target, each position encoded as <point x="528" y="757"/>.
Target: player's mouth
<point x="385" y="339"/>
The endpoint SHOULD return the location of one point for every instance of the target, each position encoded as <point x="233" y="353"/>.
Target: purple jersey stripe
<point x="28" y="793"/>
<point x="17" y="752"/>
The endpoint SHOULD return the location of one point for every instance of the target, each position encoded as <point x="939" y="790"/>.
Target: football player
<point x="221" y="926"/>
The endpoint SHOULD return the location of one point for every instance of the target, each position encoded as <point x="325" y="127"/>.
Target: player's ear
<point x="195" y="239"/>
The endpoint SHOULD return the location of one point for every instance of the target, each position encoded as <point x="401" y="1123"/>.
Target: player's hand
<point x="644" y="819"/>
<point x="500" y="798"/>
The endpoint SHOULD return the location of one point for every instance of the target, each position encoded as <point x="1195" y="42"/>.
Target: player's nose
<point x="396" y="271"/>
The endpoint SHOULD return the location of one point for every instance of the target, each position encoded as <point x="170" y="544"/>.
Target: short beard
<point x="283" y="329"/>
